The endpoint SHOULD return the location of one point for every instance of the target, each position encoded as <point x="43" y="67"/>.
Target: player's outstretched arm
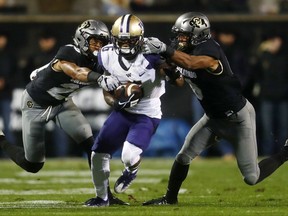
<point x="84" y="74"/>
<point x="184" y="60"/>
<point x="72" y="70"/>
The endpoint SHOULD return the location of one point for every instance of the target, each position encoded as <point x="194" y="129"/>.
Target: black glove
<point x="124" y="101"/>
<point x="172" y="74"/>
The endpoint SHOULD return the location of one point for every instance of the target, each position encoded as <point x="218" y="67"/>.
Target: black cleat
<point x="96" y="202"/>
<point x="116" y="201"/>
<point x="113" y="200"/>
<point x="160" y="201"/>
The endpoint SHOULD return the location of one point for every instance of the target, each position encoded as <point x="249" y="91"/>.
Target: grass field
<point x="213" y="187"/>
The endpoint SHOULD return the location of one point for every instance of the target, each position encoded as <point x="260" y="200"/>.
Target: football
<point x="129" y="89"/>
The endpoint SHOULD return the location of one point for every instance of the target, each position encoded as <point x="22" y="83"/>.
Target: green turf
<point x="213" y="187"/>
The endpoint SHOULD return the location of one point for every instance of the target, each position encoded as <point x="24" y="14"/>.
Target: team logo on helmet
<point x="85" y="24"/>
<point x="197" y="22"/>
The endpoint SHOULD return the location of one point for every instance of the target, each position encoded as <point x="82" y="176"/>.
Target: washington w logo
<point x="141" y="26"/>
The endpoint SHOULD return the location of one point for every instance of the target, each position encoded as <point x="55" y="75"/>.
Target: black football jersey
<point x="219" y="93"/>
<point x="52" y="88"/>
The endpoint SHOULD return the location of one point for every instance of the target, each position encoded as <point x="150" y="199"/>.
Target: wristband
<point x="169" y="52"/>
<point x="93" y="76"/>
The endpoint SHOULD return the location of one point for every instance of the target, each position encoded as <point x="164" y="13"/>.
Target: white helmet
<point x="128" y="35"/>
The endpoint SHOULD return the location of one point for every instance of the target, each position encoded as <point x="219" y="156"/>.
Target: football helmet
<point x="87" y="30"/>
<point x="128" y="35"/>
<point x="194" y="25"/>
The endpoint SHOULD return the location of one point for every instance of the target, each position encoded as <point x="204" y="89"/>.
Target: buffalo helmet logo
<point x="197" y="22"/>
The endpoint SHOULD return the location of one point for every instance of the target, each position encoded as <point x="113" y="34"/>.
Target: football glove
<point x="124" y="101"/>
<point x="108" y="83"/>
<point x="172" y="74"/>
<point x="153" y="45"/>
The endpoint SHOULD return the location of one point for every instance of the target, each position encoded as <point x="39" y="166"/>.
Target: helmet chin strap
<point x="184" y="47"/>
<point x="181" y="46"/>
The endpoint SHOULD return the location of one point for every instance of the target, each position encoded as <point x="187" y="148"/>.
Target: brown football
<point x="129" y="88"/>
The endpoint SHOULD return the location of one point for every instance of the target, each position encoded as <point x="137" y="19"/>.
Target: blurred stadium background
<point x="26" y="21"/>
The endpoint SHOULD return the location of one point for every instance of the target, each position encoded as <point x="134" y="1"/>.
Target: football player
<point x="228" y="114"/>
<point x="49" y="97"/>
<point x="132" y="123"/>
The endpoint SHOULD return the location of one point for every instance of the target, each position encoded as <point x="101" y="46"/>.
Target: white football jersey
<point x="140" y="70"/>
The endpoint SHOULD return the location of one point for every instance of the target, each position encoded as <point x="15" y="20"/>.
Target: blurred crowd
<point x="260" y="64"/>
<point x="117" y="7"/>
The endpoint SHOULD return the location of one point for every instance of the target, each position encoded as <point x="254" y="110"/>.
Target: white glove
<point x="108" y="83"/>
<point x="153" y="45"/>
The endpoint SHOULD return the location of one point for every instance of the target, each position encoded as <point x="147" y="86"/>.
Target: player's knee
<point x="251" y="179"/>
<point x="33" y="167"/>
<point x="183" y="159"/>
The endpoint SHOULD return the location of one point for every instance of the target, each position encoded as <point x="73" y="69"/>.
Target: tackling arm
<point x="84" y="74"/>
<point x="73" y="70"/>
<point x="191" y="62"/>
<point x="184" y="60"/>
